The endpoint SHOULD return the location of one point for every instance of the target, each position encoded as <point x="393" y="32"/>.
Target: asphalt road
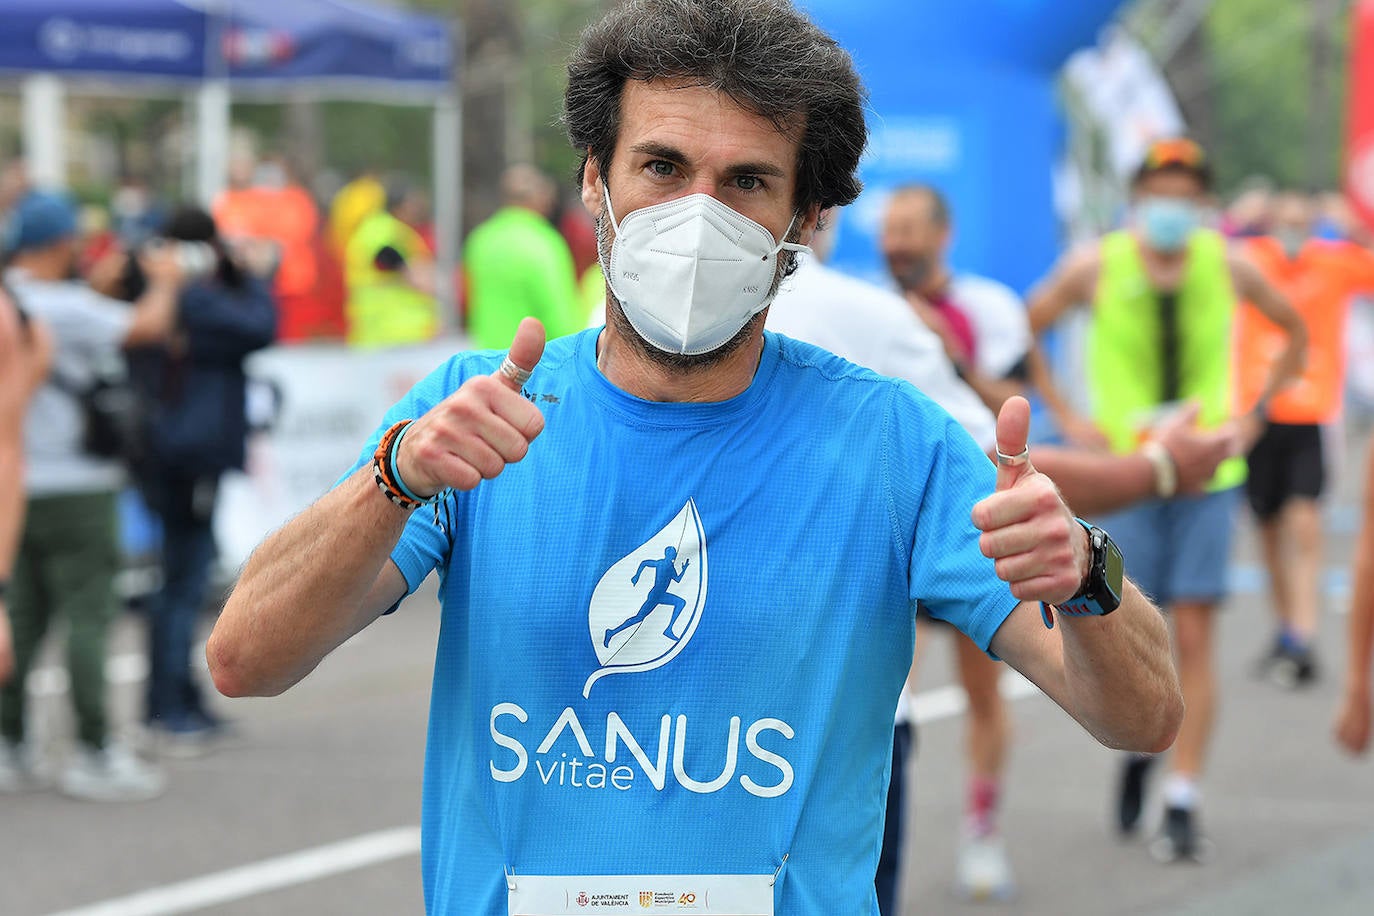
<point x="311" y="808"/>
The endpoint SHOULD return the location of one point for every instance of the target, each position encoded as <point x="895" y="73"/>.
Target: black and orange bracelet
<point x="388" y="478"/>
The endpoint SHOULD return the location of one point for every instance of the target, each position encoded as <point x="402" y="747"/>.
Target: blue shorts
<point x="1178" y="549"/>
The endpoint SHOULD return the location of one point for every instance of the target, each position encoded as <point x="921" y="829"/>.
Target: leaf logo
<point x="647" y="605"/>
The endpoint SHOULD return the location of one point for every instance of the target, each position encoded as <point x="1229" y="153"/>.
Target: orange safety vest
<point x="1319" y="283"/>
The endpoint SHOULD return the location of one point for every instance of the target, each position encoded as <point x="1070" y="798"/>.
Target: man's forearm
<point x="1093" y="483"/>
<point x="1360" y="632"/>
<point x="1120" y="676"/>
<point x="304" y="591"/>
<point x="993" y="392"/>
<point x="155" y="314"/>
<point x="11" y="499"/>
<point x="1360" y="635"/>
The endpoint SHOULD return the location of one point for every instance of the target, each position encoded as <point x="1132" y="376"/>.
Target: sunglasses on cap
<point x="1177" y="152"/>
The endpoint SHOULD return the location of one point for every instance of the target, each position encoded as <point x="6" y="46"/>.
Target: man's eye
<point x="660" y="167"/>
<point x="748" y="183"/>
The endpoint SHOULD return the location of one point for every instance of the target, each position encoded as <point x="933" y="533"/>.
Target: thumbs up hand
<point x="1040" y="549"/>
<point x="475" y="432"/>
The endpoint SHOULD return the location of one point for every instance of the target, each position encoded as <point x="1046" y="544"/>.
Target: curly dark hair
<point x="763" y="54"/>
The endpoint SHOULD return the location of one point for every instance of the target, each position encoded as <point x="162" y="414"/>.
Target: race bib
<point x="720" y="895"/>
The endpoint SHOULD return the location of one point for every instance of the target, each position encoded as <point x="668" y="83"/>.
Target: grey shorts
<point x="1178" y="549"/>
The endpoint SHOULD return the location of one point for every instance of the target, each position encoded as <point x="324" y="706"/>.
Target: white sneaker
<point x="984" y="874"/>
<point x="21" y="767"/>
<point x="113" y="773"/>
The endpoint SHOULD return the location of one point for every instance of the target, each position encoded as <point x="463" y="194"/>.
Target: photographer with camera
<point x="69" y="552"/>
<point x="192" y="392"/>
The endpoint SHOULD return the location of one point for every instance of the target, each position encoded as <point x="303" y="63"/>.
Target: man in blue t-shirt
<point x="734" y="745"/>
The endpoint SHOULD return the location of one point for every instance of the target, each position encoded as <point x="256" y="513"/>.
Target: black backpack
<point x="112" y="414"/>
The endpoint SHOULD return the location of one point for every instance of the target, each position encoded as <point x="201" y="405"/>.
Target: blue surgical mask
<point x="1166" y="222"/>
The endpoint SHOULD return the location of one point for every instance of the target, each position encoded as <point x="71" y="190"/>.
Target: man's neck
<point x="938" y="284"/>
<point x="1164" y="268"/>
<point x="630" y="370"/>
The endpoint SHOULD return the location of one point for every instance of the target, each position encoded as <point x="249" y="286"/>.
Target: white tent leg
<point x="212" y="139"/>
<point x="448" y="203"/>
<point x="44" y="127"/>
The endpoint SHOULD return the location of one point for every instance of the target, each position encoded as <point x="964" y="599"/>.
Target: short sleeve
<point x="1001" y="324"/>
<point x="424" y="543"/>
<point x="937" y="474"/>
<point x="95" y="323"/>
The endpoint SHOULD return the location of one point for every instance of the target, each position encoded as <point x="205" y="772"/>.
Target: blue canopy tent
<point x="328" y="48"/>
<point x="963" y="98"/>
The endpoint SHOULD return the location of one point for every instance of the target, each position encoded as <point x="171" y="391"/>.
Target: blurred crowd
<point x="134" y="320"/>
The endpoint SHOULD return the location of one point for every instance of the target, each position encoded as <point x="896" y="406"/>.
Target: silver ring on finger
<point x="1013" y="461"/>
<point x="513" y="372"/>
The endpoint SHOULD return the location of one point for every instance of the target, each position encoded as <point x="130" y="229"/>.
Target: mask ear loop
<point x="610" y="211"/>
<point x="790" y="246"/>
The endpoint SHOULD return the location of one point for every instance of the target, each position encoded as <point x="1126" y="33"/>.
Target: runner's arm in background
<point x="25" y="354"/>
<point x="1094" y="482"/>
<point x="155" y="312"/>
<point x="1070" y="284"/>
<point x="1353" y="716"/>
<point x="992" y="391"/>
<point x="1253" y="288"/>
<point x="327" y="573"/>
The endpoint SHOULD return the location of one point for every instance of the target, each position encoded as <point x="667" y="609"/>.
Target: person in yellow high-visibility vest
<point x="1162" y="293"/>
<point x="389" y="271"/>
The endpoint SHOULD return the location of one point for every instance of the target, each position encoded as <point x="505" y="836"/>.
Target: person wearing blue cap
<point x="68" y="553"/>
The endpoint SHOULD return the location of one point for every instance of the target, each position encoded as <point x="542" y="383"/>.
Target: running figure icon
<point x="665" y="574"/>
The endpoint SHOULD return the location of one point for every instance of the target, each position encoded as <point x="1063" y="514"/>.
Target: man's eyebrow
<point x="757" y="168"/>
<point x="659" y="151"/>
<point x="673" y="154"/>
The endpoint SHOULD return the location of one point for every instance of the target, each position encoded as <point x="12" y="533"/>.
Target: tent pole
<point x="448" y="203"/>
<point x="212" y="139"/>
<point x="44" y="126"/>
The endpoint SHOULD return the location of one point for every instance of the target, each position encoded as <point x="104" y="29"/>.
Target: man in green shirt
<point x="518" y="265"/>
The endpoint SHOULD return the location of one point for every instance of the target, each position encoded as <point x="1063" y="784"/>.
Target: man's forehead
<point x="909" y="207"/>
<point x="698" y="121"/>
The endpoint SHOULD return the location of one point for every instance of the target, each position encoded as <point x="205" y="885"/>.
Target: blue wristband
<point x="396" y="471"/>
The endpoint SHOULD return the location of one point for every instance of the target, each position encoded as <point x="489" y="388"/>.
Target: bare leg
<point x="1271" y="532"/>
<point x="989" y="729"/>
<point x="1302" y="524"/>
<point x="1193" y="626"/>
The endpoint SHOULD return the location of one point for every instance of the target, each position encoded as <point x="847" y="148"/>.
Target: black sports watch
<point x="1100" y="593"/>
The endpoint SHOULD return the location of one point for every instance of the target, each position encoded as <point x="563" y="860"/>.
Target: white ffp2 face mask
<point x="690" y="273"/>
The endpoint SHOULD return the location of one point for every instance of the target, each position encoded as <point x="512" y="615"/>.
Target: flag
<point x="1359" y="171"/>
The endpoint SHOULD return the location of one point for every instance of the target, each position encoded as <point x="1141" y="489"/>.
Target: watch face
<point x="1115" y="568"/>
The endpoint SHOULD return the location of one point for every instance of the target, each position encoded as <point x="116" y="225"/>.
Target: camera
<point x="197" y="260"/>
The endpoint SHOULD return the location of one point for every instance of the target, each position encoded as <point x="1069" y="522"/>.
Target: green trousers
<point x="66" y="567"/>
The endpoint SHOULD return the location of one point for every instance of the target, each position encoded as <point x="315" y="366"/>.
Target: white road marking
<point x="950" y="700"/>
<point x="261" y="877"/>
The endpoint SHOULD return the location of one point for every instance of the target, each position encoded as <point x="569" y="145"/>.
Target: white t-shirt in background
<point x="88" y="330"/>
<point x="876" y="329"/>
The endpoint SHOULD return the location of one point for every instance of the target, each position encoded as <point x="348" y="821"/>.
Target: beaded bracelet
<point x="388" y="478"/>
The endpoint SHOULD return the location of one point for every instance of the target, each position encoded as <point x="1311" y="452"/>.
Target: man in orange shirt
<point x="1286" y="465"/>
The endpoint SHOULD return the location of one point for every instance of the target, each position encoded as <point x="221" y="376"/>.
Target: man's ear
<point x="593" y="190"/>
<point x="809" y="222"/>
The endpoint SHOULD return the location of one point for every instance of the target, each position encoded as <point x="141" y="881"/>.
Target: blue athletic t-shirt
<point x="674" y="635"/>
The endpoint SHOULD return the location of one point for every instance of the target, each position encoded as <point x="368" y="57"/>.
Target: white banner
<point x="1127" y="96"/>
<point x="331" y="400"/>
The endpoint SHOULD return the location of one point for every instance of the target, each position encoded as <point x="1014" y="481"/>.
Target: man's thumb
<point x="525" y="351"/>
<point x="1013" y="428"/>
